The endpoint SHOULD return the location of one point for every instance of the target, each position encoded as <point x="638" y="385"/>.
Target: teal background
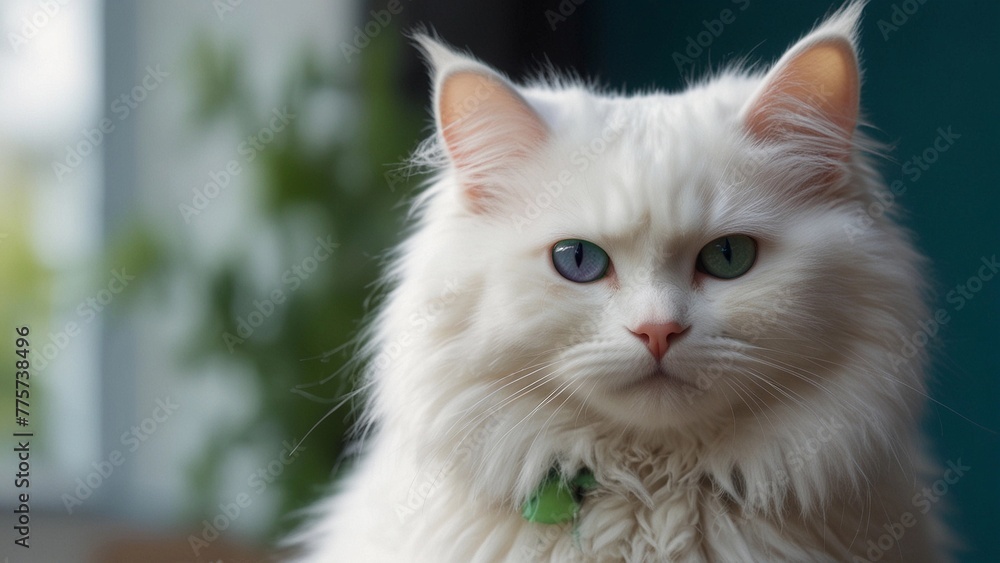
<point x="937" y="70"/>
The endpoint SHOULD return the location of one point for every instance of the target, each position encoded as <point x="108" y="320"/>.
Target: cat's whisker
<point x="545" y="425"/>
<point x="764" y="404"/>
<point x="736" y="386"/>
<point x="788" y="393"/>
<point x="531" y="370"/>
<point x="891" y="446"/>
<point x="353" y="363"/>
<point x="551" y="396"/>
<point x="795" y="372"/>
<point x="806" y="376"/>
<point x="584" y="402"/>
<point x="882" y="372"/>
<point x="327" y="415"/>
<point x="499" y="441"/>
<point x="471" y="424"/>
<point x="528" y="387"/>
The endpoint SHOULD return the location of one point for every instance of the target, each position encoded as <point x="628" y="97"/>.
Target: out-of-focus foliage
<point x="25" y="291"/>
<point x="339" y="183"/>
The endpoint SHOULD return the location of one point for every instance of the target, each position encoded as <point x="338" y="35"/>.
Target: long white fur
<point x="797" y="440"/>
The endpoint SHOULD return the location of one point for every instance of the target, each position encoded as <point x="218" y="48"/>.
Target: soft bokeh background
<point x="195" y="196"/>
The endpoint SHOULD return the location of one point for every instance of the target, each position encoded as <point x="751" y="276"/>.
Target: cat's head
<point x="663" y="259"/>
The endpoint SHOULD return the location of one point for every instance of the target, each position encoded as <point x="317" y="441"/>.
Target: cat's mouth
<point x="657" y="379"/>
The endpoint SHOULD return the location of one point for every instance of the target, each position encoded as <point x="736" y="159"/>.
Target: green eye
<point x="580" y="261"/>
<point x="728" y="257"/>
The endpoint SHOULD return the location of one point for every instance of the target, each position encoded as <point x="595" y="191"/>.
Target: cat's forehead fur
<point x="673" y="165"/>
<point x="670" y="165"/>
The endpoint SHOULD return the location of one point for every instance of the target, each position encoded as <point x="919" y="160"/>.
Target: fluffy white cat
<point x="673" y="292"/>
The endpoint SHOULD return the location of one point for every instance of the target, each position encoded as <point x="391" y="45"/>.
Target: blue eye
<point x="579" y="260"/>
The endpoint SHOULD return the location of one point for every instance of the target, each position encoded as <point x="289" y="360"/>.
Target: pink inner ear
<point x="820" y="82"/>
<point x="486" y="126"/>
<point x="469" y="101"/>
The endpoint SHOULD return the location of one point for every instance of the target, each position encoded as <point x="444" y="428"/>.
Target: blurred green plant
<point x="339" y="182"/>
<point x="25" y="292"/>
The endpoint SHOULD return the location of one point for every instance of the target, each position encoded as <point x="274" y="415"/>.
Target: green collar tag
<point x="555" y="501"/>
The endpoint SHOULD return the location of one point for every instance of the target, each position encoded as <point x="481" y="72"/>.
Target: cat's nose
<point x="656" y="337"/>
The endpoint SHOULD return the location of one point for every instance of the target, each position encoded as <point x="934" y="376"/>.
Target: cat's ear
<point x="812" y="93"/>
<point x="485" y="125"/>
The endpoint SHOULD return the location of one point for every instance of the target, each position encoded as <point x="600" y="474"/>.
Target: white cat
<point x="673" y="292"/>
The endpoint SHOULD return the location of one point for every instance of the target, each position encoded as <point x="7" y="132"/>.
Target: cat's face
<point x="663" y="259"/>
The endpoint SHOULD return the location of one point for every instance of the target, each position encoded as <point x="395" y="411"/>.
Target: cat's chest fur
<point x="648" y="506"/>
<point x="644" y="509"/>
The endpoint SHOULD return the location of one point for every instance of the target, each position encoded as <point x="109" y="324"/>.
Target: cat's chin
<point x="657" y="380"/>
<point x="654" y="399"/>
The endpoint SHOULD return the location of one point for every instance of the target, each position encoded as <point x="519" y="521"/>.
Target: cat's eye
<point x="579" y="260"/>
<point x="727" y="257"/>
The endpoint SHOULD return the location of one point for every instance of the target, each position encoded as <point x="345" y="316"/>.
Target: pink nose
<point x="656" y="336"/>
